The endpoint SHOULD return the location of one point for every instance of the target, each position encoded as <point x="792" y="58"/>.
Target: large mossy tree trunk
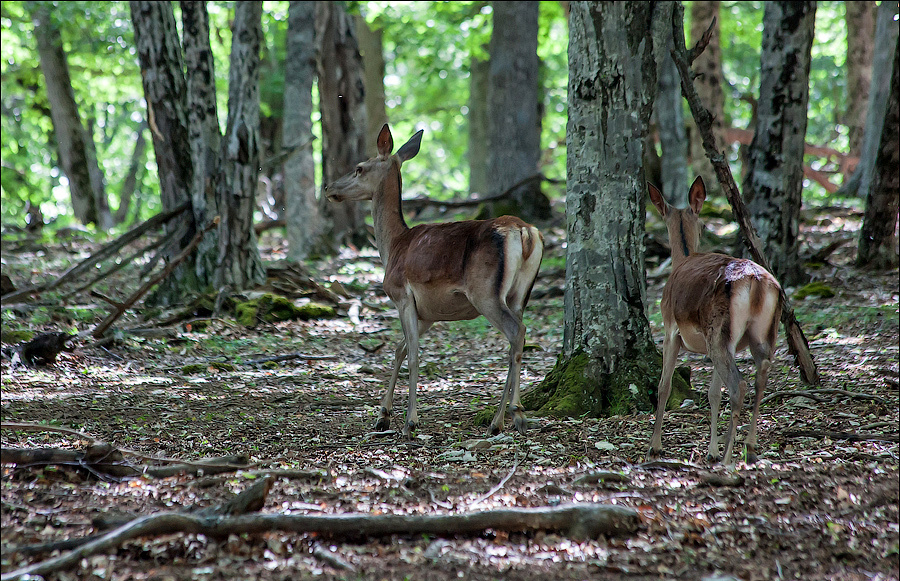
<point x="609" y="363"/>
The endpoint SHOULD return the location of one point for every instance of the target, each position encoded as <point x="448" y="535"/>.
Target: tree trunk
<point x="609" y="363"/>
<point x="342" y="102"/>
<point x="239" y="263"/>
<point x="514" y="124"/>
<point x="709" y="83"/>
<point x="165" y="89"/>
<point x="670" y="122"/>
<point x="372" y="52"/>
<point x="860" y="18"/>
<point x="204" y="132"/>
<point x="135" y="169"/>
<point x="774" y="182"/>
<point x="301" y="205"/>
<point x="77" y="154"/>
<point x="477" y="120"/>
<point x="878" y="237"/>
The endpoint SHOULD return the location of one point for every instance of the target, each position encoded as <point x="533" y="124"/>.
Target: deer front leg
<point x="409" y="321"/>
<point x="671" y="348"/>
<point x="387" y="402"/>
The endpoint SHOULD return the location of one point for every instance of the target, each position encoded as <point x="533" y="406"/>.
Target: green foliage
<point x="814" y="289"/>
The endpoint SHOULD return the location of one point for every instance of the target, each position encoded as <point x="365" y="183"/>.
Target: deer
<point x="444" y="272"/>
<point x="717" y="305"/>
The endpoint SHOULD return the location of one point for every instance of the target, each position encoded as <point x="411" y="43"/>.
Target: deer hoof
<point x="521" y="424"/>
<point x="494" y="429"/>
<point x="751" y="455"/>
<point x="409" y="429"/>
<point x="653" y="453"/>
<point x="712" y="458"/>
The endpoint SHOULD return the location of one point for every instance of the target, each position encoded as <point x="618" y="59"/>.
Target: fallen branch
<point x="422" y="201"/>
<point x="841" y="436"/>
<point x="102" y="254"/>
<point x="814" y="394"/>
<point x="290" y="356"/>
<point x="109" y="320"/>
<point x="798" y="346"/>
<point x="577" y="521"/>
<point x="500" y="484"/>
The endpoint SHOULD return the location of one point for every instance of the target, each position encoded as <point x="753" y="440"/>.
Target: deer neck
<point x="683" y="238"/>
<point x="387" y="212"/>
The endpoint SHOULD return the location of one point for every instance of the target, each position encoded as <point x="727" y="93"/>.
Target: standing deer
<point x="718" y="305"/>
<point x="445" y="272"/>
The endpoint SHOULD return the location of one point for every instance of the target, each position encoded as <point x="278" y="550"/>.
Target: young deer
<point x="445" y="272"/>
<point x="718" y="305"/>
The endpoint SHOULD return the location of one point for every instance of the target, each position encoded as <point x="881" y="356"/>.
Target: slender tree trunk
<point x="774" y="182"/>
<point x="709" y="83"/>
<point x="239" y="263"/>
<point x="205" y="135"/>
<point x="135" y="168"/>
<point x="514" y="124"/>
<point x="477" y="121"/>
<point x="342" y="102"/>
<point x="165" y="89"/>
<point x="670" y="122"/>
<point x="372" y="52"/>
<point x="77" y="154"/>
<point x="609" y="363"/>
<point x="301" y="205"/>
<point x="860" y="18"/>
<point x="878" y="237"/>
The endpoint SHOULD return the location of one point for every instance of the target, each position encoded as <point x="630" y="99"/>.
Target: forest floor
<point x="821" y="503"/>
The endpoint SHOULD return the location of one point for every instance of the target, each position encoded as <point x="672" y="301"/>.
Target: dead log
<point x="798" y="346"/>
<point x="577" y="521"/>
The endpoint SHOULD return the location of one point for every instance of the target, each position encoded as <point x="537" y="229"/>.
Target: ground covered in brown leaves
<point x="822" y="502"/>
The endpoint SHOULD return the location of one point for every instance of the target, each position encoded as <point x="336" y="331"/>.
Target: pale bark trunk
<point x="302" y="214"/>
<point x="774" y="182"/>
<point x="670" y="122"/>
<point x="75" y="144"/>
<point x="709" y="83"/>
<point x="609" y="363"/>
<point x="477" y="121"/>
<point x="878" y="237"/>
<point x="342" y="102"/>
<point x="239" y="263"/>
<point x="860" y="18"/>
<point x="514" y="124"/>
<point x="371" y="51"/>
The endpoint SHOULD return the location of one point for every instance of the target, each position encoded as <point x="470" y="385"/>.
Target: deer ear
<point x="657" y="198"/>
<point x="411" y="147"/>
<point x="697" y="195"/>
<point x="385" y="141"/>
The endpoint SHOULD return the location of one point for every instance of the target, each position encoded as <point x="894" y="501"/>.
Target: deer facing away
<point x="445" y="272"/>
<point x="718" y="305"/>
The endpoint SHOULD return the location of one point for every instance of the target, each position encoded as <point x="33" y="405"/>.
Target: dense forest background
<point x="429" y="51"/>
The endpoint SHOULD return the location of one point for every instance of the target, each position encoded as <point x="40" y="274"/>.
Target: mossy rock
<point x="814" y="289"/>
<point x="271" y="308"/>
<point x="193" y="368"/>
<point x="12" y="337"/>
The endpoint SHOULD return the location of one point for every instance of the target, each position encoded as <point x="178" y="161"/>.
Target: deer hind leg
<point x="761" y="356"/>
<point x="715" y="401"/>
<point x="510" y="324"/>
<point x="726" y="369"/>
<point x="671" y="347"/>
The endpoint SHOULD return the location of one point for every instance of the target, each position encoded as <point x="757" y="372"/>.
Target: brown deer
<point x="445" y="272"/>
<point x="718" y="305"/>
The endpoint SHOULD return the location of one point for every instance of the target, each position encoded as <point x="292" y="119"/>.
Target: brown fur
<point x="445" y="272"/>
<point x="718" y="305"/>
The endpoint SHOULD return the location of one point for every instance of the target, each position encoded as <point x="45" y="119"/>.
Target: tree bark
<point x="774" y="181"/>
<point x="204" y="133"/>
<point x="77" y="153"/>
<point x="165" y="89"/>
<point x="239" y="263"/>
<point x="878" y="236"/>
<point x="477" y="122"/>
<point x="302" y="214"/>
<point x="372" y="52"/>
<point x="709" y="83"/>
<point x="860" y="19"/>
<point x="670" y="120"/>
<point x="514" y="124"/>
<point x="342" y="102"/>
<point x="609" y="363"/>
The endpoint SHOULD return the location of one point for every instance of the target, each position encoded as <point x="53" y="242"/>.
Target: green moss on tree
<point x="814" y="289"/>
<point x="576" y="387"/>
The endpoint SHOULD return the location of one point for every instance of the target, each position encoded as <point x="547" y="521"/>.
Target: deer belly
<point x="448" y="305"/>
<point x="692" y="338"/>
